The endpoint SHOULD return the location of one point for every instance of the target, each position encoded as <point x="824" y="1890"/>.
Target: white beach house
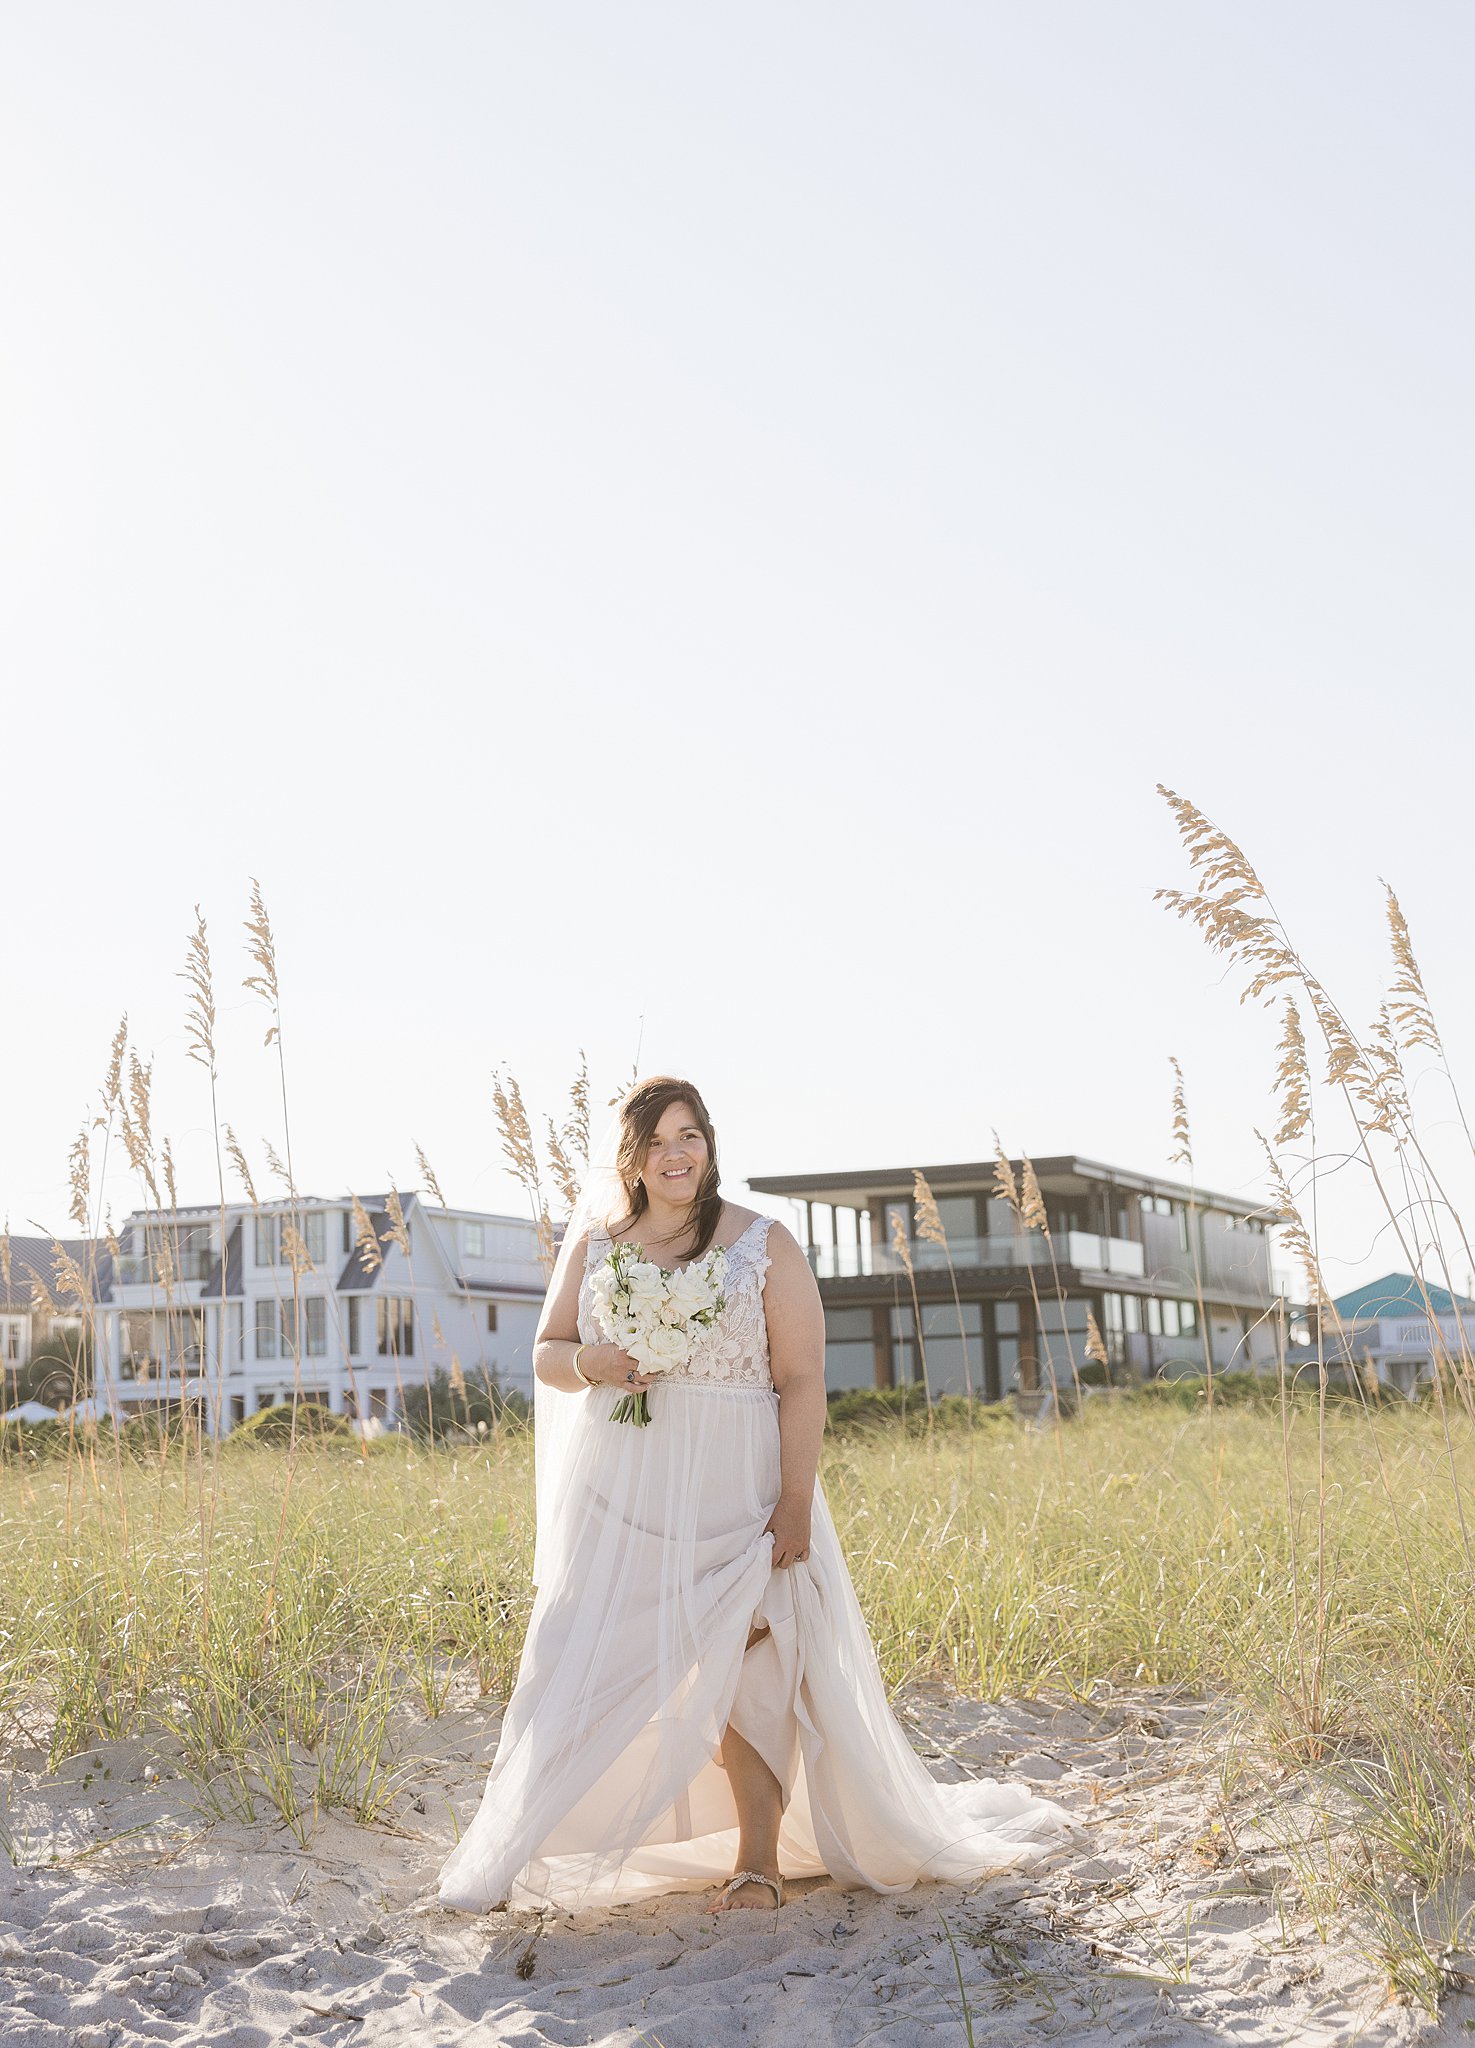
<point x="1397" y="1329"/>
<point x="228" y="1314"/>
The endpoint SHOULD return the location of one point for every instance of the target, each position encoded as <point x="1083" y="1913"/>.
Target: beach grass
<point x="1138" y="1546"/>
<point x="1140" y="1543"/>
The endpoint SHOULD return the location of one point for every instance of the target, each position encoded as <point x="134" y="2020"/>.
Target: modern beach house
<point x="1174" y="1277"/>
<point x="291" y="1298"/>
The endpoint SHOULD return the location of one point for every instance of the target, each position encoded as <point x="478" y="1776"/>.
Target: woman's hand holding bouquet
<point x="654" y="1316"/>
<point x="610" y="1365"/>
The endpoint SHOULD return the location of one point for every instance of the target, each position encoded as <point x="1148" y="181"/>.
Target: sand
<point x="127" y="1916"/>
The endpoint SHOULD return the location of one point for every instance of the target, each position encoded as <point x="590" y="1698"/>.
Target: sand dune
<point x="126" y="1917"/>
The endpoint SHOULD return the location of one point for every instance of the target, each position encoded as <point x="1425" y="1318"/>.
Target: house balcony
<point x="1082" y="1250"/>
<point x="191" y="1264"/>
<point x="1426" y="1334"/>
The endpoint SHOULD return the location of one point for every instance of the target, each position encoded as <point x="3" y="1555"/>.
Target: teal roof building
<point x="1399" y="1294"/>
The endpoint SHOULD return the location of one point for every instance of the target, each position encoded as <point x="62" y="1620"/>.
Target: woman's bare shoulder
<point x="738" y="1221"/>
<point x="781" y="1241"/>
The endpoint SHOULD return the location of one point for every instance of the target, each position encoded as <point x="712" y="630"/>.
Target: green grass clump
<point x="864" y="1409"/>
<point x="310" y="1420"/>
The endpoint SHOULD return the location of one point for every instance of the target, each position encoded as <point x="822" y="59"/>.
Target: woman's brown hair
<point x="640" y="1112"/>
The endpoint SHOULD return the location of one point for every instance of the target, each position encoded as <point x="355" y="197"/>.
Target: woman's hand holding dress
<point x="789" y="1523"/>
<point x="795" y="1325"/>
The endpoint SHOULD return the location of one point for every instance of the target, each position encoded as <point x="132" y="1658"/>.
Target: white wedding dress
<point x="652" y="1567"/>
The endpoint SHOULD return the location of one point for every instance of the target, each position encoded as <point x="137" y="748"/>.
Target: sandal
<point x="775" y="1884"/>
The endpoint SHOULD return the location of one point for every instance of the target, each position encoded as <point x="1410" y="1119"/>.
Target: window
<point x="1006" y="1346"/>
<point x="954" y="1357"/>
<point x="1188" y="1319"/>
<point x="473" y="1240"/>
<point x="315" y="1236"/>
<point x="266" y="1240"/>
<point x="266" y="1329"/>
<point x="850" y="1348"/>
<point x="290" y="1345"/>
<point x="1132" y="1314"/>
<point x="898" y="1212"/>
<point x="1180" y="1210"/>
<point x="1154" y="1316"/>
<point x="1169" y="1313"/>
<point x="12" y="1340"/>
<point x="1113" y="1328"/>
<point x="492" y="1316"/>
<point x="354" y="1307"/>
<point x="959" y="1215"/>
<point x="346" y="1219"/>
<point x="316" y="1310"/>
<point x="396" y="1326"/>
<point x="1060" y="1337"/>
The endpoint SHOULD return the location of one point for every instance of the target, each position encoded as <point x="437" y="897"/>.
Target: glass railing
<point x="1092" y="1254"/>
<point x="855" y="1262"/>
<point x="1079" y="1248"/>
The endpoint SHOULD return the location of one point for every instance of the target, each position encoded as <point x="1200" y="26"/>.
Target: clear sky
<point x="702" y="527"/>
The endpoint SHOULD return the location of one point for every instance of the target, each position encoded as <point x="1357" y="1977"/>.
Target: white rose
<point x="689" y="1292"/>
<point x="646" y="1283"/>
<point x="659" y="1349"/>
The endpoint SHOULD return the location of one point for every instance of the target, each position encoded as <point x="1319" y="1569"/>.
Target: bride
<point x="698" y="1693"/>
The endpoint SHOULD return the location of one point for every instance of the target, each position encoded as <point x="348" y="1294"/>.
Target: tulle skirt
<point x="606" y="1783"/>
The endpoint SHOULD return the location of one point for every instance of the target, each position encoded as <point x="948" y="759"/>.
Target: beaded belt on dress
<point x="663" y="1380"/>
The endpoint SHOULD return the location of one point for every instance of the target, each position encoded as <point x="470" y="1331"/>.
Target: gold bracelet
<point x="579" y="1369"/>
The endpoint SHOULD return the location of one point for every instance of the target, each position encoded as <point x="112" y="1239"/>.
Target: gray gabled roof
<point x="33" y="1260"/>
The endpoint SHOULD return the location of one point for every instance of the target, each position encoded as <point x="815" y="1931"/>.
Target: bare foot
<point x="748" y="1894"/>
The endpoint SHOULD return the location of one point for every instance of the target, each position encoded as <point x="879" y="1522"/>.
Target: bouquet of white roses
<point x="654" y="1314"/>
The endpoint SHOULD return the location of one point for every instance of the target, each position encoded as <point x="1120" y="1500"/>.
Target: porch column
<point x="107" y="1355"/>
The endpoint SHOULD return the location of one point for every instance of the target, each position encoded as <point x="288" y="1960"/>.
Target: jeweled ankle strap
<point x="774" y="1884"/>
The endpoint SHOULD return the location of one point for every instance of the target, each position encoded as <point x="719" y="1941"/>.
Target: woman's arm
<point x="796" y="1358"/>
<point x="557" y="1337"/>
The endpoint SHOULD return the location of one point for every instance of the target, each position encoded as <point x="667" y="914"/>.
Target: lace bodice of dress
<point x="734" y="1352"/>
